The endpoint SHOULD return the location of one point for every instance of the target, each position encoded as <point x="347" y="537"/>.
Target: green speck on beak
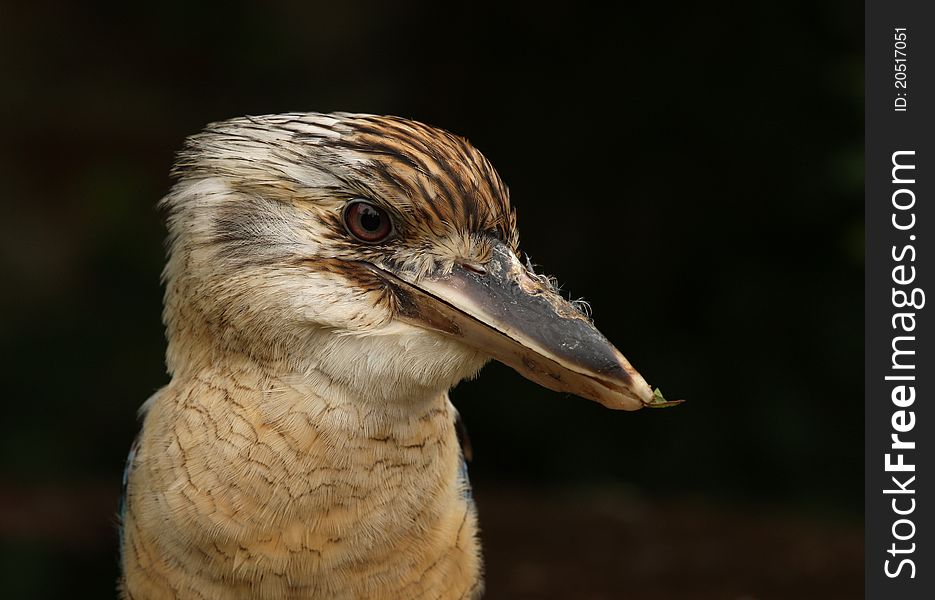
<point x="658" y="401"/>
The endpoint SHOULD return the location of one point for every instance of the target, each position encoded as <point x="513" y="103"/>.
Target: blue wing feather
<point x="467" y="453"/>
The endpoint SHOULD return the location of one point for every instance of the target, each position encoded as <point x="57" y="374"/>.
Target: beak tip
<point x="631" y="392"/>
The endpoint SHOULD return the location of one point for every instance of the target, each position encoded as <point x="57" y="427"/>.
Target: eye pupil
<point x="370" y="219"/>
<point x="367" y="222"/>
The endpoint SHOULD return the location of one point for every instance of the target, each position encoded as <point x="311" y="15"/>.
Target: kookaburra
<point x="329" y="278"/>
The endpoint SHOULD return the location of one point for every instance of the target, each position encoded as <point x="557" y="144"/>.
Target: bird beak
<point x="510" y="314"/>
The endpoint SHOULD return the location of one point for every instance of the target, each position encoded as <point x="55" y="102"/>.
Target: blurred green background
<point x="694" y="171"/>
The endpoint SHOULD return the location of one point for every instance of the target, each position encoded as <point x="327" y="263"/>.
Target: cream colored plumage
<point x="305" y="446"/>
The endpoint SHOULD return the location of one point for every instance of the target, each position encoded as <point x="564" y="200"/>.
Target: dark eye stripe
<point x="367" y="222"/>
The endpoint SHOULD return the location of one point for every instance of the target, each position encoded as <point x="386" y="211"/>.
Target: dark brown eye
<point x="367" y="222"/>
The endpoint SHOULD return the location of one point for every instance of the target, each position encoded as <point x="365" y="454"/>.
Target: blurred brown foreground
<point x="608" y="544"/>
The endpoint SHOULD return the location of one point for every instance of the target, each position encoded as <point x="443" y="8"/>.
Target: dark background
<point x="694" y="171"/>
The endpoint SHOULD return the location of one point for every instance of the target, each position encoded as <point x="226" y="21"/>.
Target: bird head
<point x="378" y="251"/>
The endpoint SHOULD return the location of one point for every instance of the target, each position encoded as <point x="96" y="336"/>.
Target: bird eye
<point x="367" y="222"/>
